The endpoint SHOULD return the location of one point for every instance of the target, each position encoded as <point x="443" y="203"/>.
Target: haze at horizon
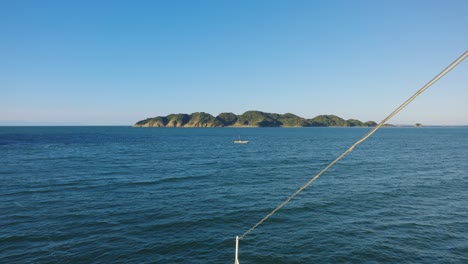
<point x="118" y="62"/>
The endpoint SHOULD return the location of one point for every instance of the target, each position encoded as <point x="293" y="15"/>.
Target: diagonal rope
<point x="372" y="131"/>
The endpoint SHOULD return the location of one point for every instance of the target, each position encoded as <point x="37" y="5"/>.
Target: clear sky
<point x="117" y="62"/>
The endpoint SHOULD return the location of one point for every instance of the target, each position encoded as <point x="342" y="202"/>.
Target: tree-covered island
<point x="249" y="119"/>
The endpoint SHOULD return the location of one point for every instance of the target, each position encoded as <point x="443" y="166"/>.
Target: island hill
<point x="249" y="119"/>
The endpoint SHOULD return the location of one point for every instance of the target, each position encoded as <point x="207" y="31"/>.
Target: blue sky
<point x="117" y="62"/>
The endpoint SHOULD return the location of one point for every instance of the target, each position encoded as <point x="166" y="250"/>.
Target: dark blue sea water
<point x="133" y="195"/>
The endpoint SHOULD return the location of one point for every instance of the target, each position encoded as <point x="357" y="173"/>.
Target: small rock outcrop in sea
<point x="249" y="119"/>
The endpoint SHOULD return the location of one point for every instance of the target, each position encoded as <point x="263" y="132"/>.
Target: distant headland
<point x="249" y="119"/>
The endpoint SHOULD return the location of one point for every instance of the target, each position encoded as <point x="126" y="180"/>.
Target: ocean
<point x="162" y="195"/>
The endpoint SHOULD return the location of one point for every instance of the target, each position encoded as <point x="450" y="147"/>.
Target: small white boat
<point x="239" y="141"/>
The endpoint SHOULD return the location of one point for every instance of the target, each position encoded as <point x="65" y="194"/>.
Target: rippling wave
<point x="126" y="195"/>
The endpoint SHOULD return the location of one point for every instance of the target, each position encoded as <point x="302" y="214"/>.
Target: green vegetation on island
<point x="228" y="119"/>
<point x="249" y="119"/>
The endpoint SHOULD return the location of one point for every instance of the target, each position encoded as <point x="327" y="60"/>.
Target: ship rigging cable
<point x="366" y="136"/>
